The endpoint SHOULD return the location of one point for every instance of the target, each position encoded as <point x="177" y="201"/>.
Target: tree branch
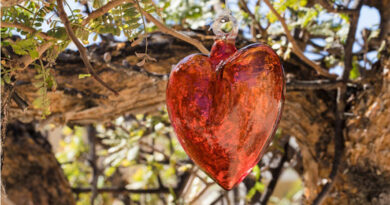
<point x="101" y="11"/>
<point x="253" y="17"/>
<point x="26" y="60"/>
<point x="295" y="47"/>
<point x="340" y="108"/>
<point x="175" y="34"/>
<point x="22" y="104"/>
<point x="104" y="9"/>
<point x="276" y="172"/>
<point x="313" y="85"/>
<point x="337" y="9"/>
<point x="81" y="48"/>
<point x="120" y="190"/>
<point x="92" y="160"/>
<point x="43" y="35"/>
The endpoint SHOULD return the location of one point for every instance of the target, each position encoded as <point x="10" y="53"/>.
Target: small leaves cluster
<point x="124" y="19"/>
<point x="45" y="81"/>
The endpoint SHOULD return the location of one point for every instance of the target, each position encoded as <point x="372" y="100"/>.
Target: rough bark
<point x="31" y="173"/>
<point x="309" y="115"/>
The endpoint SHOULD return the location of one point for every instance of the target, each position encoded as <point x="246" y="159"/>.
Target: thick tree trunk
<point x="309" y="115"/>
<point x="31" y="174"/>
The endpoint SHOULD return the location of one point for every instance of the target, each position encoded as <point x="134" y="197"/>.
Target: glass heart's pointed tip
<point x="228" y="185"/>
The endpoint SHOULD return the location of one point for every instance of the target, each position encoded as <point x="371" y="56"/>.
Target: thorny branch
<point x="81" y="48"/>
<point x="295" y="47"/>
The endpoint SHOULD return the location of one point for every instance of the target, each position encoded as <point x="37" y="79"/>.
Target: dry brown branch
<point x="295" y="47"/>
<point x="43" y="35"/>
<point x="81" y="48"/>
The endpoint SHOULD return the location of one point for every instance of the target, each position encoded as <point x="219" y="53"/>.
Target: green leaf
<point x="81" y="76"/>
<point x="256" y="172"/>
<point x="354" y="73"/>
<point x="34" y="54"/>
<point x="37" y="103"/>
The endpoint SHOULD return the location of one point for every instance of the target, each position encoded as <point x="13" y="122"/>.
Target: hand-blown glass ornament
<point x="225" y="107"/>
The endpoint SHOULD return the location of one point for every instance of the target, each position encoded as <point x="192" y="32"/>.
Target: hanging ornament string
<point x="223" y="17"/>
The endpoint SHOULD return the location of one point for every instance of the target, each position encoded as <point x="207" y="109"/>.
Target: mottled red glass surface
<point x="225" y="108"/>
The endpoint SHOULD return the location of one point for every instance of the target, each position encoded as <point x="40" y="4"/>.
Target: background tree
<point x="116" y="144"/>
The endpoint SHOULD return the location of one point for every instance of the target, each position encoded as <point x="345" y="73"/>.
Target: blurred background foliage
<point x="142" y="153"/>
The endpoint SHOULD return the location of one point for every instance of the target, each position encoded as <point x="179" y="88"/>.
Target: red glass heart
<point x="225" y="108"/>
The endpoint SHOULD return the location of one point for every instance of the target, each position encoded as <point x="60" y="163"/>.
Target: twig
<point x="101" y="11"/>
<point x="22" y="104"/>
<point x="81" y="48"/>
<point x="104" y="9"/>
<point x="96" y="59"/>
<point x="276" y="172"/>
<point x="175" y="34"/>
<point x="92" y="160"/>
<point x="43" y="35"/>
<point x="184" y="180"/>
<point x="314" y="85"/>
<point x="350" y="40"/>
<point x="208" y="185"/>
<point x="295" y="47"/>
<point x="253" y="17"/>
<point x="24" y="61"/>
<point x="337" y="9"/>
<point x="340" y="108"/>
<point x="120" y="190"/>
<point x="219" y="198"/>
